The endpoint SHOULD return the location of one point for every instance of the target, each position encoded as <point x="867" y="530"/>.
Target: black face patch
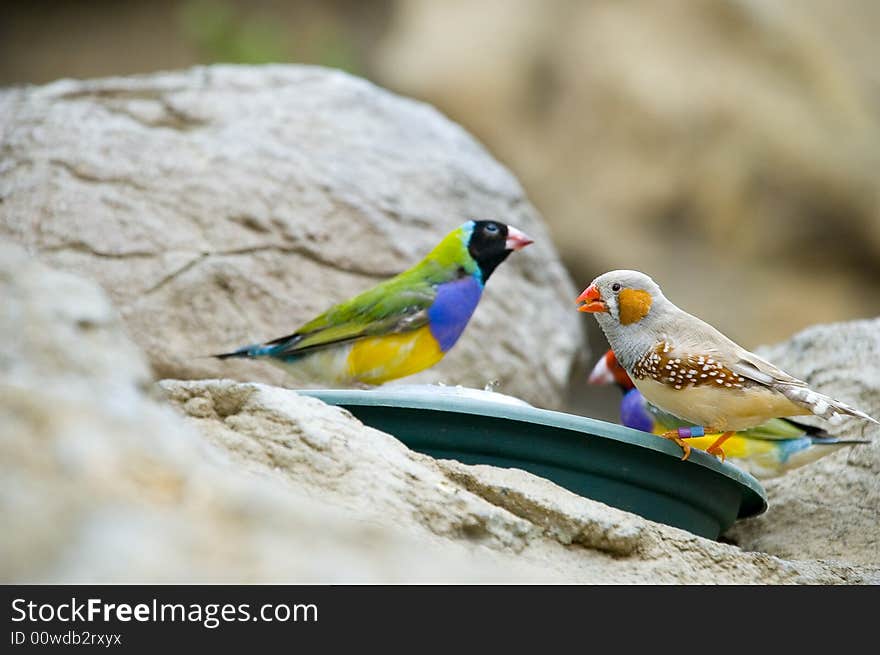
<point x="487" y="246"/>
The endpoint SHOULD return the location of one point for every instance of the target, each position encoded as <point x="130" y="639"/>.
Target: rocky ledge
<point x="109" y="477"/>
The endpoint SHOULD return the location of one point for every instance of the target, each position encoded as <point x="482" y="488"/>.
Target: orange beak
<point x="592" y="301"/>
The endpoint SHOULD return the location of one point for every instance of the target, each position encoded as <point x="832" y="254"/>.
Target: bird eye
<point x="491" y="228"/>
<point x="615" y="287"/>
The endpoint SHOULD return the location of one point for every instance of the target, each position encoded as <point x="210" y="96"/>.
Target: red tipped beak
<point x="516" y="240"/>
<point x="592" y="301"/>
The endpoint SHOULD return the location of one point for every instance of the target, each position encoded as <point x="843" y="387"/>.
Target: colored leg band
<point x="687" y="433"/>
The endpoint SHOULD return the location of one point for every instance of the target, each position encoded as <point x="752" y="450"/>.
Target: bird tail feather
<point x="810" y="430"/>
<point x="254" y="350"/>
<point x="822" y="405"/>
<point x="834" y="441"/>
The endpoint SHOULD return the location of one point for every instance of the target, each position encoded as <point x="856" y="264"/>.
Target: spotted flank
<point x="660" y="365"/>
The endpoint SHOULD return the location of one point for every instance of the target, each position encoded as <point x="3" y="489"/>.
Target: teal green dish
<point x="619" y="466"/>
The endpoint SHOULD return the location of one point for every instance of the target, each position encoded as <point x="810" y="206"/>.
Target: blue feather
<point x="634" y="412"/>
<point x="788" y="447"/>
<point x="452" y="309"/>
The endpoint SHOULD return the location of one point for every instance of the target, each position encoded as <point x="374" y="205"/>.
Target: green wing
<point x="396" y="305"/>
<point x="779" y="429"/>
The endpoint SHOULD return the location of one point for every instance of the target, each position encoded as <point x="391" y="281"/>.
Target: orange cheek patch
<point x="634" y="305"/>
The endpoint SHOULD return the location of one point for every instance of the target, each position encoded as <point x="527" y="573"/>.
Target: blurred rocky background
<point x="730" y="148"/>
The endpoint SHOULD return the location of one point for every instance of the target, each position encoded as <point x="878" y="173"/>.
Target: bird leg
<point x="679" y="436"/>
<point x="715" y="448"/>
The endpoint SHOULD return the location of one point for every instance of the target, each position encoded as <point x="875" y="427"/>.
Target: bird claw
<point x="672" y="435"/>
<point x="718" y="452"/>
<point x="716" y="449"/>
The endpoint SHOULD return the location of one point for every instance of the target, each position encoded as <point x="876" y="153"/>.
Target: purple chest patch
<point x="452" y="309"/>
<point x="634" y="412"/>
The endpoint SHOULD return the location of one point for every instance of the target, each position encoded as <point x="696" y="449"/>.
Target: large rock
<point x="325" y="452"/>
<point x="523" y="520"/>
<point x="225" y="205"/>
<point x="829" y="509"/>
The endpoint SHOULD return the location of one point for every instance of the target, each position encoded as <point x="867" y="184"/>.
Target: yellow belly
<point x="719" y="408"/>
<point x="760" y="457"/>
<point x="736" y="447"/>
<point x="379" y="359"/>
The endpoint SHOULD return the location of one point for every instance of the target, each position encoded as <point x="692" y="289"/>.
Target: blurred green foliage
<point x="227" y="32"/>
